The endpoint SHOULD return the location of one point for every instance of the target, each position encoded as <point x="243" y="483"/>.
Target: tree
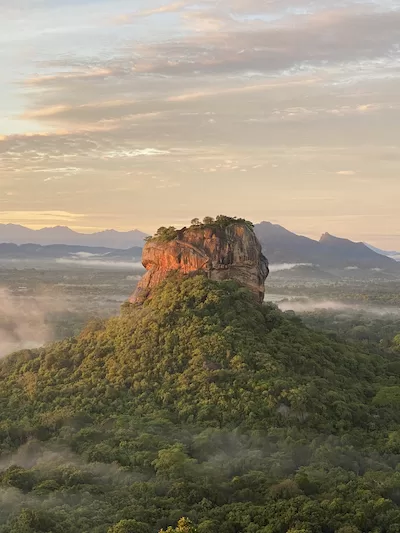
<point x="164" y="234"/>
<point x="208" y="221"/>
<point x="184" y="526"/>
<point x="129" y="526"/>
<point x="173" y="462"/>
<point x="388" y="396"/>
<point x="33" y="521"/>
<point x="297" y="530"/>
<point x="18" y="477"/>
<point x="396" y="343"/>
<point x="195" y="222"/>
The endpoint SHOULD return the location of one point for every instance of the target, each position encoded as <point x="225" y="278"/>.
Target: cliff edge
<point x="225" y="251"/>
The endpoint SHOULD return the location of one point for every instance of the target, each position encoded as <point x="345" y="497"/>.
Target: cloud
<point x="293" y="92"/>
<point x="167" y="8"/>
<point x="346" y="172"/>
<point x="246" y="88"/>
<point x="47" y="112"/>
<point x="53" y="178"/>
<point x="51" y="79"/>
<point x="336" y="36"/>
<point x="39" y="216"/>
<point x="145" y="152"/>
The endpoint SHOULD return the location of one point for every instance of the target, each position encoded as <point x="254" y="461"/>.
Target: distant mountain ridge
<point x="16" y="234"/>
<point x="394" y="255"/>
<point x="283" y="246"/>
<point x="61" y="251"/>
<point x="279" y="245"/>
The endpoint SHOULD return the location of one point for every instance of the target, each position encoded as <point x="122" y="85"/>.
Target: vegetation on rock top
<point x="167" y="234"/>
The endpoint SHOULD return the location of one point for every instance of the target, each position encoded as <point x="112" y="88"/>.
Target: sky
<point x="141" y="113"/>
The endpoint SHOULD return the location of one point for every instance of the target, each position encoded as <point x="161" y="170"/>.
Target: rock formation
<point x="222" y="253"/>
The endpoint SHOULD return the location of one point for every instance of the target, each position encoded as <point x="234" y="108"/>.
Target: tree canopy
<point x="201" y="411"/>
<point x="165" y="234"/>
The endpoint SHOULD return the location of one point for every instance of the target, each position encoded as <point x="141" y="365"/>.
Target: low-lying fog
<point x="78" y="261"/>
<point x="279" y="267"/>
<point x="307" y="305"/>
<point x="22" y="321"/>
<point x="48" y="300"/>
<point x="44" y="301"/>
<point x="124" y="265"/>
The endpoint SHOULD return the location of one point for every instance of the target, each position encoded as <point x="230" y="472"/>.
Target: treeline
<point x="371" y="331"/>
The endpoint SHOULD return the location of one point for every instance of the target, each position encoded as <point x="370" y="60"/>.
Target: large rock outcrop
<point x="222" y="253"/>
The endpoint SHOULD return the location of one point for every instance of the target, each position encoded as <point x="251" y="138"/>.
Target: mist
<point x="45" y="457"/>
<point x="23" y="321"/>
<point x="309" y="306"/>
<point x="278" y="267"/>
<point x="124" y="265"/>
<point x="57" y="462"/>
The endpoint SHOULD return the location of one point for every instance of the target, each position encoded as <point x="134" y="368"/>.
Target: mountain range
<point x="65" y="251"/>
<point x="279" y="244"/>
<point x="283" y="246"/>
<point x="394" y="255"/>
<point x="13" y="233"/>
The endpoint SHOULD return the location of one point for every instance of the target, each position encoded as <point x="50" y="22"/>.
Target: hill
<point x="283" y="246"/>
<point x="13" y="233"/>
<point x="200" y="403"/>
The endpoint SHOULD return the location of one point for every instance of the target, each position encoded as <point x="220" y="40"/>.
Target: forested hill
<point x="200" y="404"/>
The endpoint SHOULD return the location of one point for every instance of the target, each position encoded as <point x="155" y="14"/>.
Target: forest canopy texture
<point x="200" y="411"/>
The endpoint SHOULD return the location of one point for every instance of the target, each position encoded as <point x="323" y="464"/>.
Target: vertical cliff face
<point x="221" y="253"/>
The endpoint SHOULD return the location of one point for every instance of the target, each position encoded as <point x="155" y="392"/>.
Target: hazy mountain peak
<point x="275" y="229"/>
<point x="60" y="229"/>
<point x="346" y="244"/>
<point x="11" y="233"/>
<point x="282" y="246"/>
<point x="266" y="224"/>
<point x="328" y="237"/>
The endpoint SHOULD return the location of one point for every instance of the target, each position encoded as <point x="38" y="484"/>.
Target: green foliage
<point x="184" y="526"/>
<point x="388" y="397"/>
<point x="369" y="331"/>
<point x="164" y="234"/>
<point x="221" y="222"/>
<point x="200" y="404"/>
<point x="129" y="526"/>
<point x="172" y="462"/>
<point x="396" y="343"/>
<point x="33" y="521"/>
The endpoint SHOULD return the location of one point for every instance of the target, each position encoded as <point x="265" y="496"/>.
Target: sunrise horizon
<point x="140" y="115"/>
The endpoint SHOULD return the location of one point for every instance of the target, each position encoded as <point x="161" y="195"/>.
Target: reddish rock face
<point x="233" y="253"/>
